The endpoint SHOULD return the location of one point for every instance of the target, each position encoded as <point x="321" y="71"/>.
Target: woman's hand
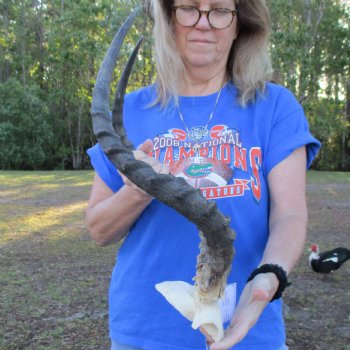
<point x="255" y="296"/>
<point x="142" y="154"/>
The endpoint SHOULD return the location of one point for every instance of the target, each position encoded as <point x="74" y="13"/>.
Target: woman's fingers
<point x="233" y="335"/>
<point x="142" y="151"/>
<point x="146" y="147"/>
<point x="161" y="168"/>
<point x="142" y="154"/>
<point x="208" y="338"/>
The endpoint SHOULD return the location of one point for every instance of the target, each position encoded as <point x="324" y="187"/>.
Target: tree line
<point x="50" y="51"/>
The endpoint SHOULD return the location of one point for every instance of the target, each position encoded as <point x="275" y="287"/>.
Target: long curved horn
<point x="117" y="111"/>
<point x="173" y="191"/>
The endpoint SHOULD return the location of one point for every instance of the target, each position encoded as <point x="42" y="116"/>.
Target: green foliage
<point x="310" y="48"/>
<point x="25" y="134"/>
<point x="328" y="125"/>
<point x="57" y="47"/>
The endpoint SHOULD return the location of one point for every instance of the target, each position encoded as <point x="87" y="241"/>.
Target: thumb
<point x="146" y="147"/>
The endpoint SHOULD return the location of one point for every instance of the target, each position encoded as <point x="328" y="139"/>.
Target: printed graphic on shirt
<point x="208" y="159"/>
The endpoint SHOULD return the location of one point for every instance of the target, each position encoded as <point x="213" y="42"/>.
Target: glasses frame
<point x="204" y="12"/>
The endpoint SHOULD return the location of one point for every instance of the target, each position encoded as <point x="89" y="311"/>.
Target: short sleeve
<point x="289" y="132"/>
<point x="105" y="168"/>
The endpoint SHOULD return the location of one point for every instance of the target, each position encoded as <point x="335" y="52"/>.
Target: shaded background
<point x="50" y="51"/>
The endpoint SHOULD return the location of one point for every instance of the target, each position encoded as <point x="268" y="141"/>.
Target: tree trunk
<point x="40" y="44"/>
<point x="21" y="39"/>
<point x="5" y="65"/>
<point x="23" y="65"/>
<point x="78" y="149"/>
<point x="345" y="165"/>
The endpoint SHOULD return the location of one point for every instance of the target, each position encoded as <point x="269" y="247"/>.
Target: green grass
<point x="324" y="177"/>
<point x="42" y="203"/>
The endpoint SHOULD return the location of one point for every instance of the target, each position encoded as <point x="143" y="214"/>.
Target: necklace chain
<point x="200" y="132"/>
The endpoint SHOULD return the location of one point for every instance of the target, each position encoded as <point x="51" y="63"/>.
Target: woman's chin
<point x="200" y="61"/>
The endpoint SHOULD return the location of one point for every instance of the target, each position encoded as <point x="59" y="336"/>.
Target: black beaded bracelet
<point x="280" y="274"/>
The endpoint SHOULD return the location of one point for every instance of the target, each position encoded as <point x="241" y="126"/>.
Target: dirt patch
<point x="54" y="280"/>
<point x="317" y="308"/>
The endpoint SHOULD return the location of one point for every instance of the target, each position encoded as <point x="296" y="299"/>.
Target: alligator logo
<point x="199" y="170"/>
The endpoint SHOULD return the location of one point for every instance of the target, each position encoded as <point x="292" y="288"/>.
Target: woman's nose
<point x="203" y="22"/>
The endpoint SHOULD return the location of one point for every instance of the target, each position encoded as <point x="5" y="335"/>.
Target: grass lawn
<point x="54" y="279"/>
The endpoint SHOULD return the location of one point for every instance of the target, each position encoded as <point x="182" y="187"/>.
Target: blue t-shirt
<point x="229" y="162"/>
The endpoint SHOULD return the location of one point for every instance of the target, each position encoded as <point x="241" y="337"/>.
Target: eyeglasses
<point x="218" y="18"/>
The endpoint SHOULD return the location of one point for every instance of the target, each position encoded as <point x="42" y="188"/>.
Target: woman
<point x="214" y="119"/>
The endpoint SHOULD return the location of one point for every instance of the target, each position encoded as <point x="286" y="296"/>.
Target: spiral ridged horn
<point x="217" y="236"/>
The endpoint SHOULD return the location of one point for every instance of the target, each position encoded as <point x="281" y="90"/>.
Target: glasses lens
<point x="220" y="18"/>
<point x="187" y="15"/>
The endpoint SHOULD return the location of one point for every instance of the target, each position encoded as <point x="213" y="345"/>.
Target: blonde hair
<point x="248" y="66"/>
